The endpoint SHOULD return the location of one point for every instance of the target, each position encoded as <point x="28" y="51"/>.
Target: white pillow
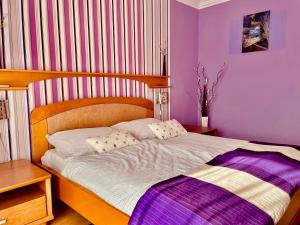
<point x="112" y="141"/>
<point x="73" y="142"/>
<point x="138" y="128"/>
<point x="167" y="129"/>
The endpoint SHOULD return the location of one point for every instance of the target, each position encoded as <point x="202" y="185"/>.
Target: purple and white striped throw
<point x="239" y="187"/>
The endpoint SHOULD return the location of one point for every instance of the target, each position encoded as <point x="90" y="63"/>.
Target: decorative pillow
<point x="138" y="128"/>
<point x="112" y="141"/>
<point x="177" y="127"/>
<point x="73" y="142"/>
<point x="167" y="129"/>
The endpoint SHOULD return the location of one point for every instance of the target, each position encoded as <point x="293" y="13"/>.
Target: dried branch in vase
<point x="164" y="53"/>
<point x="164" y="49"/>
<point x="207" y="92"/>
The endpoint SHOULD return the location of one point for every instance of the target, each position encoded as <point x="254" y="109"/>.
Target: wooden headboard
<point x="77" y="113"/>
<point x="83" y="113"/>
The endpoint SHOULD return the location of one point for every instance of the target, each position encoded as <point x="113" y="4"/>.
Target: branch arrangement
<point x="207" y="91"/>
<point x="164" y="52"/>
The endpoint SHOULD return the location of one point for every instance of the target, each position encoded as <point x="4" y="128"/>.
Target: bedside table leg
<point x="48" y="196"/>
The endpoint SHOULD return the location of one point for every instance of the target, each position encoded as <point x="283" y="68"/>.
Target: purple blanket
<point x="189" y="200"/>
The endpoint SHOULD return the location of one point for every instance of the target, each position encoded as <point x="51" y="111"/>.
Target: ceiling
<point x="201" y="4"/>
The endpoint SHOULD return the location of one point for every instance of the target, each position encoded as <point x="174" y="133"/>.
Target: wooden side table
<point x="201" y="130"/>
<point x="25" y="194"/>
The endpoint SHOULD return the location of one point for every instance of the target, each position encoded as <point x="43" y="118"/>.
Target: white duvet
<point x="122" y="176"/>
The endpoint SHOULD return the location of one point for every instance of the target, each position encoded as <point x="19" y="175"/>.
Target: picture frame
<point x="256" y="32"/>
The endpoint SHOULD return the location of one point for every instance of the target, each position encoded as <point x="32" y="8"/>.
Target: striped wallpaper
<point x="114" y="36"/>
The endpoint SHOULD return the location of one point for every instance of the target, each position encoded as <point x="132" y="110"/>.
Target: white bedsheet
<point x="122" y="176"/>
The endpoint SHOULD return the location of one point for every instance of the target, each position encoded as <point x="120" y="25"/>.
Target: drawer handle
<point x="3" y="222"/>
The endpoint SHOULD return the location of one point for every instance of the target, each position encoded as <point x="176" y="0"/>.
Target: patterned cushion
<point x="177" y="127"/>
<point x="112" y="141"/>
<point x="167" y="129"/>
<point x="138" y="128"/>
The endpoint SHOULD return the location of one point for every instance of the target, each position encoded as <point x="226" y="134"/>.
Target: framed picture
<point x="4" y="113"/>
<point x="256" y="32"/>
<point x="162" y="98"/>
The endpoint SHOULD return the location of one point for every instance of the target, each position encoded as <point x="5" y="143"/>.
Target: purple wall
<point x="259" y="97"/>
<point x="184" y="54"/>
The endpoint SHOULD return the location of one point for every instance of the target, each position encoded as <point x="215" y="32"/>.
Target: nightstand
<point x="25" y="194"/>
<point x="201" y="130"/>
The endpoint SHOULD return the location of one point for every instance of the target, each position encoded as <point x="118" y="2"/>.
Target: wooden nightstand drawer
<point x="22" y="206"/>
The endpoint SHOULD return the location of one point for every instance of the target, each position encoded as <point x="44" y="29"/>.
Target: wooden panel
<point x="47" y="111"/>
<point x="44" y="220"/>
<point x="292" y="214"/>
<point x="23" y="207"/>
<point x="15" y="174"/>
<point x="103" y="115"/>
<point x="48" y="196"/>
<point x="38" y="130"/>
<point x="19" y="196"/>
<point x="21" y="78"/>
<point x="13" y="88"/>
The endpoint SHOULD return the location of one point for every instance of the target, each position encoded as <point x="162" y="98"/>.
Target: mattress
<point x="122" y="176"/>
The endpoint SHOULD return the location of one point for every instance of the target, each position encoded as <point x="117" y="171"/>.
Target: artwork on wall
<point x="256" y="32"/>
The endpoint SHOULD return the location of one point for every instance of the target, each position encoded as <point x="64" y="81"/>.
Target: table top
<point x="198" y="129"/>
<point x="20" y="173"/>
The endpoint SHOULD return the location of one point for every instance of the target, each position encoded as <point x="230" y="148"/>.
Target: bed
<point x="97" y="112"/>
<point x="85" y="200"/>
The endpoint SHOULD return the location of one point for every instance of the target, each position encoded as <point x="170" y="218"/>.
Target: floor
<point x="63" y="215"/>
